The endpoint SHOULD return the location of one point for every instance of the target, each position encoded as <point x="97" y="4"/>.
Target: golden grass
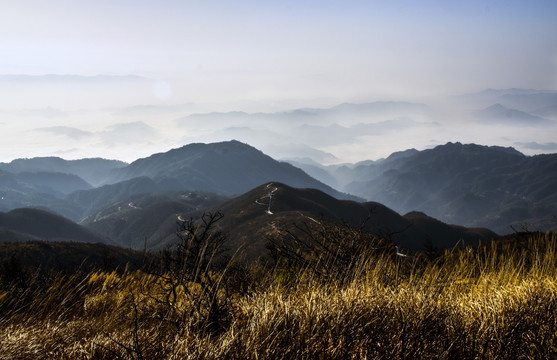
<point x="496" y="301"/>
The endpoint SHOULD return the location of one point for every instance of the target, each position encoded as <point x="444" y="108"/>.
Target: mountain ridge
<point x="468" y="184"/>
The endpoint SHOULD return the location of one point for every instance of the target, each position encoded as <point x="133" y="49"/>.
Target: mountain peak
<point x="223" y="145"/>
<point x="229" y="167"/>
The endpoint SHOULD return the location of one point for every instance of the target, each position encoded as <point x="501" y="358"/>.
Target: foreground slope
<point x="485" y="302"/>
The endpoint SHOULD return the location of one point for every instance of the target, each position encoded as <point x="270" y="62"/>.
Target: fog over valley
<point x="103" y="125"/>
<point x="334" y="82"/>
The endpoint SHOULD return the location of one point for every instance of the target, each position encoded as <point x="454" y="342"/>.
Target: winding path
<point x="270" y="196"/>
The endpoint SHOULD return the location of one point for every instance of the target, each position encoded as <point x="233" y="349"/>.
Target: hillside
<point x="248" y="223"/>
<point x="435" y="230"/>
<point x="55" y="184"/>
<point x="58" y="184"/>
<point x="10" y="236"/>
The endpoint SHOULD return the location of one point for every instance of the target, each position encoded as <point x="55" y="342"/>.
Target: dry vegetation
<point x="496" y="301"/>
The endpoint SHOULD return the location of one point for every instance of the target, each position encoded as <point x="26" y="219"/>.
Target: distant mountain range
<point x="513" y="104"/>
<point x="309" y="132"/>
<point x="93" y="171"/>
<point x="349" y="113"/>
<point x="412" y="195"/>
<point x="528" y="100"/>
<point x="465" y="184"/>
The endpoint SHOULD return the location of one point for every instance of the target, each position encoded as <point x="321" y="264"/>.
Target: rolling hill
<point x="57" y="184"/>
<point x="91" y="201"/>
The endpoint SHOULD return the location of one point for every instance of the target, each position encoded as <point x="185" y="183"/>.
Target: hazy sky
<point x="203" y="56"/>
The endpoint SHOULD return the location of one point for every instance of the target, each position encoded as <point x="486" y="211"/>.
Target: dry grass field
<point x="493" y="301"/>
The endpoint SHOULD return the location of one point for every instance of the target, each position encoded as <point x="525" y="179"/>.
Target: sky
<point x="113" y="78"/>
